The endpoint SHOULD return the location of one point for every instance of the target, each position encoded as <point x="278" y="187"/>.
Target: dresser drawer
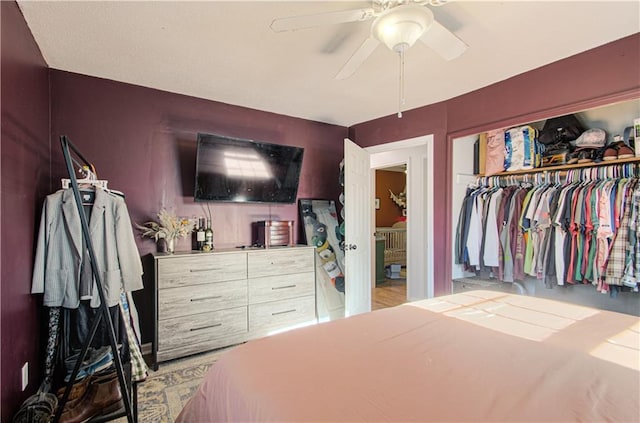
<point x="278" y="262"/>
<point x="276" y="315"/>
<point x="202" y="299"/>
<point x="194" y="270"/>
<point x="271" y="288"/>
<point x="187" y="300"/>
<point x="200" y="328"/>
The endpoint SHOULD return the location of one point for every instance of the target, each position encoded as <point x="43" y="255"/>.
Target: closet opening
<point x="556" y="246"/>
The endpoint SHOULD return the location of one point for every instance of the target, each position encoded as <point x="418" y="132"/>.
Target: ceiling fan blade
<point x="443" y="41"/>
<point x="329" y="18"/>
<point x="363" y="52"/>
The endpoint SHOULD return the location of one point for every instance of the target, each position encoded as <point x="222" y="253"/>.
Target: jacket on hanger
<point x="60" y="250"/>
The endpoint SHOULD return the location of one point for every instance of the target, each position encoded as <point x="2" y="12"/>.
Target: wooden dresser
<point x="211" y="300"/>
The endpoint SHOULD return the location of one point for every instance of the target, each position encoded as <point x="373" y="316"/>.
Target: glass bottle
<point x="200" y="235"/>
<point x="208" y="237"/>
<point x="194" y="233"/>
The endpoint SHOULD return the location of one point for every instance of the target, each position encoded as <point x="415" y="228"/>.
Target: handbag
<point x="560" y="129"/>
<point x="38" y="408"/>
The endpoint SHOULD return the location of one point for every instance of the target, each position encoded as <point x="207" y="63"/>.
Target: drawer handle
<point x="283" y="312"/>
<point x="215" y="297"/>
<point x="203" y="270"/>
<point x="273" y="288"/>
<point x="206" y="327"/>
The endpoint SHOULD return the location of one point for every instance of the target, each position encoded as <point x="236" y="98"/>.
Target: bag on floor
<point x="38" y="408"/>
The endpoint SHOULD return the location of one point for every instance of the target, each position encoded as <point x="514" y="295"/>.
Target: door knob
<point x="351" y="247"/>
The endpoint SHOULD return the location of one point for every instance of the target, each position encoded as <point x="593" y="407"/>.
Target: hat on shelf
<point x="592" y="138"/>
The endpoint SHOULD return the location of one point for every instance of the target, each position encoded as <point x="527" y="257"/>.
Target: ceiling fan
<point x="397" y="23"/>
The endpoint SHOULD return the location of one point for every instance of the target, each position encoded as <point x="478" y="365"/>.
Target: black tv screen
<point x="236" y="170"/>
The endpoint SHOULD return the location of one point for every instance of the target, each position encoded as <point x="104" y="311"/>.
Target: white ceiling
<point x="225" y="51"/>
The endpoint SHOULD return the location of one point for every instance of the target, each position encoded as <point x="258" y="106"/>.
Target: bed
<point x="476" y="356"/>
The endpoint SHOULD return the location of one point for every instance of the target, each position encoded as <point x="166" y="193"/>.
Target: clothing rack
<point x="67" y="146"/>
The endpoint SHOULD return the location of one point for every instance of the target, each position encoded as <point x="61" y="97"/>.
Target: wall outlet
<point x="25" y="375"/>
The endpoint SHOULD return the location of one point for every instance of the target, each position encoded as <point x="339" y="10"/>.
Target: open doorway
<point x="390" y="285"/>
<point x="360" y="165"/>
<point x="417" y="155"/>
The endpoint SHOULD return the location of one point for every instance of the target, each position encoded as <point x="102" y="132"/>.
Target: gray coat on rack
<point x="59" y="250"/>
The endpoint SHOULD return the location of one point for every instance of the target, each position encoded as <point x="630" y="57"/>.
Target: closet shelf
<point x="566" y="167"/>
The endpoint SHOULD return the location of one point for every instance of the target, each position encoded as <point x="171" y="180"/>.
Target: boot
<point x="102" y="397"/>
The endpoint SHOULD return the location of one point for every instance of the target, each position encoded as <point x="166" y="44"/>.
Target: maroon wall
<point x="143" y="141"/>
<point x="600" y="76"/>
<point x="24" y="180"/>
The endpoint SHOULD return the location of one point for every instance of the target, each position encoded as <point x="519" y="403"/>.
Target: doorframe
<point x="417" y="153"/>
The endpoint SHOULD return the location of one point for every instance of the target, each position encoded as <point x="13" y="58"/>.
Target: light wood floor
<point x="391" y="293"/>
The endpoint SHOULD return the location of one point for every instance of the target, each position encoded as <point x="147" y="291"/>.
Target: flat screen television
<point x="236" y="170"/>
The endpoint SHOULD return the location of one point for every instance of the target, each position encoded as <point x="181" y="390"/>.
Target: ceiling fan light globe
<point x="400" y="27"/>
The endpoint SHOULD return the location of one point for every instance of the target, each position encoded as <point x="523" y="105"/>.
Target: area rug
<point x="165" y="392"/>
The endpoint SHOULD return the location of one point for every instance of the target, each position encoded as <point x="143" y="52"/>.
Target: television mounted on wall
<point x="246" y="171"/>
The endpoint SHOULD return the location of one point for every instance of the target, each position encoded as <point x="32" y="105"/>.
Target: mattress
<point x="477" y="356"/>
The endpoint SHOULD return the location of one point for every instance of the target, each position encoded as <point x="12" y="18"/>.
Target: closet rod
<point x="104" y="311"/>
<point x="615" y="170"/>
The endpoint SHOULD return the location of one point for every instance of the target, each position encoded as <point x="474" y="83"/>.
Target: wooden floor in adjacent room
<point x="391" y="292"/>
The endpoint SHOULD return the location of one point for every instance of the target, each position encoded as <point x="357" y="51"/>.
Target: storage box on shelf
<point x="211" y="300"/>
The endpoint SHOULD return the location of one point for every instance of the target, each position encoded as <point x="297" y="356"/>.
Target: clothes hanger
<point x="89" y="180"/>
<point x="88" y="184"/>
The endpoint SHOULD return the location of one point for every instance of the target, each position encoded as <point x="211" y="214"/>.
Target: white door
<point x="358" y="234"/>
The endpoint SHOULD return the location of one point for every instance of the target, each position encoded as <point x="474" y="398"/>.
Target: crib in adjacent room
<point x="395" y="244"/>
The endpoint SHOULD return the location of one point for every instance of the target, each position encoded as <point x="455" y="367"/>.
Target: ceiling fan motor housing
<point x="400" y="27"/>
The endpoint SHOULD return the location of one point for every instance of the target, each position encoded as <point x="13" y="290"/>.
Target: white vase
<point x="170" y="245"/>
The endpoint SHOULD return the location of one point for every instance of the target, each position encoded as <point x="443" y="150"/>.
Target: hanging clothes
<point x="63" y="272"/>
<point x="632" y="265"/>
<point x="585" y="231"/>
<point x="492" y="235"/>
<point x="617" y="260"/>
<point x="53" y="339"/>
<point x="60" y="250"/>
<point x="138" y="366"/>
